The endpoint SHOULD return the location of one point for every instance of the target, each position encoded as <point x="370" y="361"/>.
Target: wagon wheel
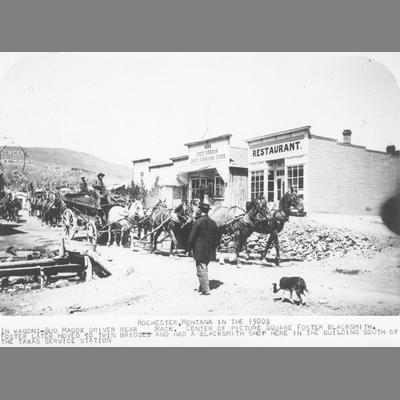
<point x="91" y="233"/>
<point x="69" y="223"/>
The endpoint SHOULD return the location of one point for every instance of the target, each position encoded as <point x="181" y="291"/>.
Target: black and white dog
<point x="294" y="283"/>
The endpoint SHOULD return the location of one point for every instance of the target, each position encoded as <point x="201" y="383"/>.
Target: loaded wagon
<point x="82" y="218"/>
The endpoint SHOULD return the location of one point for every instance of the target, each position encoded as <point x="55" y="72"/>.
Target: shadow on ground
<point x="8" y="230"/>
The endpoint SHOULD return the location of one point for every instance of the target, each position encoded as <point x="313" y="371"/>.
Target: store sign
<point x="208" y="153"/>
<point x="275" y="151"/>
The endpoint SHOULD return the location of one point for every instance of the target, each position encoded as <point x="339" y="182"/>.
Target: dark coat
<point x="203" y="239"/>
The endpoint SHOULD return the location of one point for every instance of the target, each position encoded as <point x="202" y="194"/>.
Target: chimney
<point x="392" y="150"/>
<point x="347" y="136"/>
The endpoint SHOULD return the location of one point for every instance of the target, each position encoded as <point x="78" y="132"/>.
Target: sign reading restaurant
<point x="274" y="151"/>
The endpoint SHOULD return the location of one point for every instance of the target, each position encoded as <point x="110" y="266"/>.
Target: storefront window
<point x="271" y="185"/>
<point x="176" y="193"/>
<point x="296" y="178"/>
<point x="257" y="184"/>
<point x="219" y="187"/>
<point x="195" y="188"/>
<point x="207" y="184"/>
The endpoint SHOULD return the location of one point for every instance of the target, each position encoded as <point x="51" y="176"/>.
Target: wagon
<point x="81" y="216"/>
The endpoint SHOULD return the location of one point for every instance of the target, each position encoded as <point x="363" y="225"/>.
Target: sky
<point x="124" y="106"/>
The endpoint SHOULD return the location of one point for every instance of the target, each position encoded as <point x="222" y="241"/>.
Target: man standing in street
<point x="203" y="241"/>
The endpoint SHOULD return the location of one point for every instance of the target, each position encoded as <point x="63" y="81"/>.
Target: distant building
<point x="12" y="156"/>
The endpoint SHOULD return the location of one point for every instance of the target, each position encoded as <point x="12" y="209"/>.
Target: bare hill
<point x="70" y="159"/>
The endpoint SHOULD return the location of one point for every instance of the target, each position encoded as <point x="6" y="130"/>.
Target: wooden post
<point x="61" y="251"/>
<point x="89" y="268"/>
<point x="42" y="279"/>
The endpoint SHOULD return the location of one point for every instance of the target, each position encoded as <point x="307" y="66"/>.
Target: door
<point x="280" y="187"/>
<point x="280" y="183"/>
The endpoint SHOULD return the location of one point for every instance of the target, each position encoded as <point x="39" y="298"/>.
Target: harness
<point x="281" y="216"/>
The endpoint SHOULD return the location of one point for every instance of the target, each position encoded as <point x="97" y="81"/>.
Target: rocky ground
<point x="351" y="266"/>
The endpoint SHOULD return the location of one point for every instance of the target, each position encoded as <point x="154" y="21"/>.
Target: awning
<point x="169" y="178"/>
<point x="222" y="169"/>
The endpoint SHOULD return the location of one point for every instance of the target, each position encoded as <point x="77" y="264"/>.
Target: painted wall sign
<point x="275" y="151"/>
<point x="209" y="153"/>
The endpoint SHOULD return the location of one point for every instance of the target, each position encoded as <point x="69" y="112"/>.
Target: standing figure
<point x="83" y="186"/>
<point x="102" y="196"/>
<point x="203" y="241"/>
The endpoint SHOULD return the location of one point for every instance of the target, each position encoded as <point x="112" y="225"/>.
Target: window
<point x="195" y="188"/>
<point x="296" y="178"/>
<point x="257" y="184"/>
<point x="271" y="185"/>
<point x="176" y="192"/>
<point x="214" y="187"/>
<point x="219" y="187"/>
<point x="142" y="178"/>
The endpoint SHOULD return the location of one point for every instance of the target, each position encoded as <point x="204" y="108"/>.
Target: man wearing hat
<point x="203" y="241"/>
<point x="84" y="186"/>
<point x="101" y="194"/>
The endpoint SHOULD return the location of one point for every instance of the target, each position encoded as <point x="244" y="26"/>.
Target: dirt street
<point x="154" y="284"/>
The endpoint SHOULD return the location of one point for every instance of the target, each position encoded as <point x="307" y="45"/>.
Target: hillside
<point x="68" y="159"/>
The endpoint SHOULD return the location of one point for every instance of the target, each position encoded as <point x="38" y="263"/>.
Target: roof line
<point x="302" y="128"/>
<point x="163" y="164"/>
<point x="186" y="156"/>
<point x="141" y="160"/>
<point x="213" y="139"/>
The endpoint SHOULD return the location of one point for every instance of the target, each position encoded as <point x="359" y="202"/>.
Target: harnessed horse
<point x="255" y="219"/>
<point x="174" y="222"/>
<point x="124" y="219"/>
<point x="146" y="223"/>
<point x="279" y="217"/>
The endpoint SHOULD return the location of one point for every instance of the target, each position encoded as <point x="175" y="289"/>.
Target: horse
<point x="125" y="219"/>
<point x="53" y="211"/>
<point x="3" y="208"/>
<point x="146" y="223"/>
<point x="279" y="217"/>
<point x="174" y="222"/>
<point x="11" y="208"/>
<point x="239" y="227"/>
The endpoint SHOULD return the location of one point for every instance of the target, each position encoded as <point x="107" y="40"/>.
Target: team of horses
<point x="131" y="221"/>
<point x="47" y="206"/>
<point x="9" y="208"/>
<point x="233" y="223"/>
<point x="257" y="218"/>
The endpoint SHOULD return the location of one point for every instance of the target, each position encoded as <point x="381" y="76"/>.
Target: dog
<point x="294" y="283"/>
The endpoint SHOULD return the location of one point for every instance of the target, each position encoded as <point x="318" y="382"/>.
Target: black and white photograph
<point x="199" y="184"/>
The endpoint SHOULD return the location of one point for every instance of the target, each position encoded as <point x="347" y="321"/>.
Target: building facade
<point x="212" y="168"/>
<point x="329" y="175"/>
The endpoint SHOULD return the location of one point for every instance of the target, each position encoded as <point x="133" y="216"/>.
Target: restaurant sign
<point x="274" y="151"/>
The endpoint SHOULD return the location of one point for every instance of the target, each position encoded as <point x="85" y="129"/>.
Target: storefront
<point x="217" y="169"/>
<point x="328" y="174"/>
<point x="278" y="162"/>
<point x="212" y="170"/>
